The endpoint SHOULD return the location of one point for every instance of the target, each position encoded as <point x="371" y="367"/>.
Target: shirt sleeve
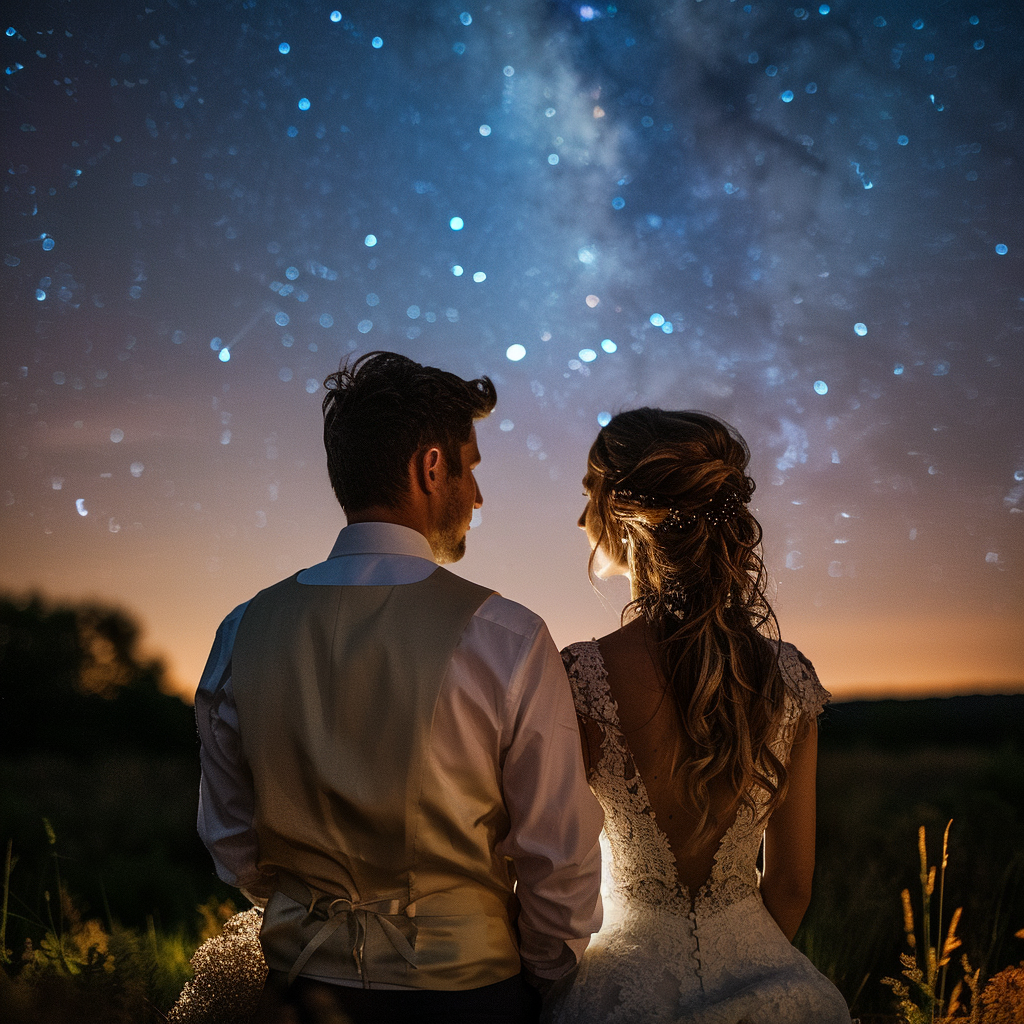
<point x="555" y="821"/>
<point x="226" y="798"/>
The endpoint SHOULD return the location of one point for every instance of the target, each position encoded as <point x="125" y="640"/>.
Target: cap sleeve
<point x="803" y="682"/>
<point x="589" y="681"/>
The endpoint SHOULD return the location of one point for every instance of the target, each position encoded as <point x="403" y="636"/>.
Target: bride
<point x="699" y="735"/>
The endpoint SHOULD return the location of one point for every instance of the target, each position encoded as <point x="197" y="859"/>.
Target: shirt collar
<point x="381" y="539"/>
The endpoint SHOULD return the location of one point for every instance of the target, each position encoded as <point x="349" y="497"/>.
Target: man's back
<point x="336" y="726"/>
<point x="408" y="736"/>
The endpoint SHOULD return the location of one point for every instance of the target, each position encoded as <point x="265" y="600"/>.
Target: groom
<point x="390" y="754"/>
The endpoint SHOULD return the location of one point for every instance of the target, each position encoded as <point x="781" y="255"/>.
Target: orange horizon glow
<point x="867" y="657"/>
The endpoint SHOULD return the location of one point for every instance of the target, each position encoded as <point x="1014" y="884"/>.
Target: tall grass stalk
<point x="57" y="931"/>
<point x="926" y="965"/>
<point x="942" y="893"/>
<point x="4" y="955"/>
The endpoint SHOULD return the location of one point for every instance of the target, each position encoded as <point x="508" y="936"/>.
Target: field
<point x="871" y="805"/>
<point x="115" y="833"/>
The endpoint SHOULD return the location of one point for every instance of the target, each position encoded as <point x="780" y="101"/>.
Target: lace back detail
<point x="643" y="865"/>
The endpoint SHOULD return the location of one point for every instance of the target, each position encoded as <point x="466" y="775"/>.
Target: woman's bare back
<point x="656" y="739"/>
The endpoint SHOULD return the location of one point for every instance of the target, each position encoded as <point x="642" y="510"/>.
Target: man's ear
<point x="427" y="470"/>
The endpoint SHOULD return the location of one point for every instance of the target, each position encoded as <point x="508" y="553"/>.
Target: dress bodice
<point x="643" y="865"/>
<point x="665" y="955"/>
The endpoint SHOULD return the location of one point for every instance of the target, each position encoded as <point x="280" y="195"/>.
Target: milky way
<point x="806" y="220"/>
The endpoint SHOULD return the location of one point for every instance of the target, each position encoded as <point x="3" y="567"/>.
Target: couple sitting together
<point x="398" y="771"/>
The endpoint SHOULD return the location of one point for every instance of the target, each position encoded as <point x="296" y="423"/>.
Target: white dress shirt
<point x="505" y="692"/>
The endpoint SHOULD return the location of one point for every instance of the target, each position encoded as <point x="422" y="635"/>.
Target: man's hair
<point x="385" y="408"/>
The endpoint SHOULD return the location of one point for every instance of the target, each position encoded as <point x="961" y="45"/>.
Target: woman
<point x="699" y="735"/>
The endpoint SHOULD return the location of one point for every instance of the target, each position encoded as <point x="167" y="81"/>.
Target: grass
<point x="107" y="889"/>
<point x="871" y="805"/>
<point x="108" y="897"/>
<point x="128" y="846"/>
<point x="73" y="968"/>
<point x="920" y="992"/>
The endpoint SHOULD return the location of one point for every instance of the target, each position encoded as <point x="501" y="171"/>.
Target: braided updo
<point x="670" y="491"/>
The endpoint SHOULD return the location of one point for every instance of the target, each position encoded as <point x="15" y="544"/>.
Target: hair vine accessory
<point x="715" y="511"/>
<point x="674" y="601"/>
<point x="643" y="500"/>
<point x="718" y="509"/>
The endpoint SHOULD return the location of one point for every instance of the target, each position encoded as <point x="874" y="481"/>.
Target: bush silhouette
<point x="74" y="680"/>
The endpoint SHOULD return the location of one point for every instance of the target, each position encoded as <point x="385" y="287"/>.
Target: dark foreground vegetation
<point x="108" y="890"/>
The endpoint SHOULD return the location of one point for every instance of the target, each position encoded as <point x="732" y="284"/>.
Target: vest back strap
<point x="398" y="923"/>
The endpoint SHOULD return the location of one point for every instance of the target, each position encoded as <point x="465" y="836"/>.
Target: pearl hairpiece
<point x="718" y="509"/>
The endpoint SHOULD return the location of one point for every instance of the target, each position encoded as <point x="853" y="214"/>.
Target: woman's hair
<point x="670" y="493"/>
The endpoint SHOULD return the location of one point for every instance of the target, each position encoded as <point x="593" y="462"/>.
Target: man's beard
<point x="449" y="541"/>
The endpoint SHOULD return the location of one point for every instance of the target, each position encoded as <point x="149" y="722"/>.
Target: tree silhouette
<point x="99" y="770"/>
<point x="74" y="680"/>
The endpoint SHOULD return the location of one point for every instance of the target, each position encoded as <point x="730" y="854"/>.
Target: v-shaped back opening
<point x="649" y="732"/>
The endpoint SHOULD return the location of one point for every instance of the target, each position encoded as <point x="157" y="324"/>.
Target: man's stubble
<point x="449" y="541"/>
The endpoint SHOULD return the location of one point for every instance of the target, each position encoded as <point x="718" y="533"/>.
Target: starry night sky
<point x="805" y="220"/>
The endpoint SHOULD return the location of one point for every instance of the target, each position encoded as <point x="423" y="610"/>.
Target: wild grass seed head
<point x="908" y="919"/>
<point x="952" y="942"/>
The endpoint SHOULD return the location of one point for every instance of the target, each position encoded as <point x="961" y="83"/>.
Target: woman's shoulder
<point x="587" y="676"/>
<point x="583" y="661"/>
<point x="802" y="681"/>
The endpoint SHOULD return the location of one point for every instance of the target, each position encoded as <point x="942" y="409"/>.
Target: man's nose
<point x="479" y="498"/>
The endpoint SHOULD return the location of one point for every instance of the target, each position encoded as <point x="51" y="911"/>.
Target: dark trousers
<point x="313" y="1002"/>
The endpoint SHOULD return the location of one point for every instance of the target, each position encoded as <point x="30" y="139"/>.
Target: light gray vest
<point x="384" y="875"/>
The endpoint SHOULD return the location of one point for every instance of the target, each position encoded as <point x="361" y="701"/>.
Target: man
<point x="390" y="754"/>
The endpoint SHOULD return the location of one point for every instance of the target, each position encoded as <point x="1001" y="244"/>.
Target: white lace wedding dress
<point x="716" y="959"/>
